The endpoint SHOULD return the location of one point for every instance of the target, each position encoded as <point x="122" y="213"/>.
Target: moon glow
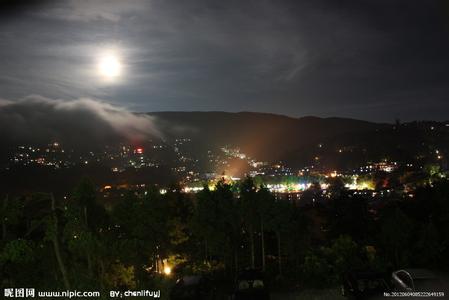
<point x="109" y="66"/>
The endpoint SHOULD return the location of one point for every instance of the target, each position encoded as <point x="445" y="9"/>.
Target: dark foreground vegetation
<point x="146" y="242"/>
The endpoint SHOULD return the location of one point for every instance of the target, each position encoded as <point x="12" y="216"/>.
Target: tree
<point x="141" y="230"/>
<point x="395" y="232"/>
<point x="202" y="219"/>
<point x="84" y="231"/>
<point x="264" y="204"/>
<point x="336" y="187"/>
<point x="280" y="221"/>
<point x="28" y="248"/>
<point x="230" y="221"/>
<point x="248" y="199"/>
<point x="327" y="265"/>
<point x="344" y="256"/>
<point x="349" y="216"/>
<point x="427" y="248"/>
<point x="81" y="209"/>
<point x="10" y="214"/>
<point x="53" y="235"/>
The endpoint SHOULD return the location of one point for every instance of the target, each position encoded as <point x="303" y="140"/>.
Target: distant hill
<point x="330" y="142"/>
<point x="262" y="135"/>
<point x="326" y="143"/>
<point x="336" y="142"/>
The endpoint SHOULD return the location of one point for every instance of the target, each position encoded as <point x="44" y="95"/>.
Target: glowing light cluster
<point x="192" y="189"/>
<point x="359" y="186"/>
<point x="288" y="188"/>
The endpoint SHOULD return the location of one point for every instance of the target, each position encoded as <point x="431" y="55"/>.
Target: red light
<point x="139" y="150"/>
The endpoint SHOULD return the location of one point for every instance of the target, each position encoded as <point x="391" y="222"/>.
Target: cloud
<point x="87" y="11"/>
<point x="80" y="122"/>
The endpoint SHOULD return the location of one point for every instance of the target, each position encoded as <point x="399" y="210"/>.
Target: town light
<point x="167" y="270"/>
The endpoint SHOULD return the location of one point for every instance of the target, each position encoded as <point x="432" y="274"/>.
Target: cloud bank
<point x="81" y="122"/>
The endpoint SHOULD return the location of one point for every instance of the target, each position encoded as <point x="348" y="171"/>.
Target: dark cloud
<point x="368" y="59"/>
<point x="82" y="122"/>
<point x="17" y="8"/>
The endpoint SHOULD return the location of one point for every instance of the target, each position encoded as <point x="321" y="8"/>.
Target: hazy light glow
<point x="167" y="270"/>
<point x="109" y="66"/>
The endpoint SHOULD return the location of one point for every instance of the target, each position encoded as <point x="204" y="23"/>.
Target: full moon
<point x="109" y="66"/>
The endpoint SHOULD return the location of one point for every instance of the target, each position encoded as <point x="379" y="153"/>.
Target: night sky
<point x="371" y="60"/>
